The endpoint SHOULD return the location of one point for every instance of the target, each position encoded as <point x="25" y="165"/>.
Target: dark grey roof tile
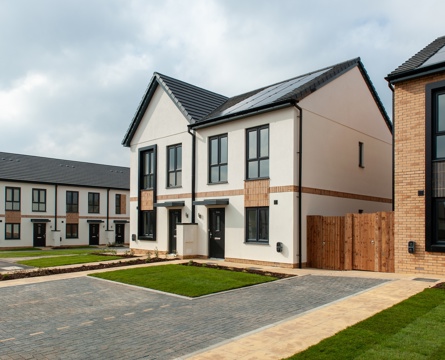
<point x="414" y="65"/>
<point x="27" y="168"/>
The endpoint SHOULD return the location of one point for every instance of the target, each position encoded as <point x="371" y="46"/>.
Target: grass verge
<point x="412" y="329"/>
<point x="53" y="252"/>
<point x="67" y="260"/>
<point x="185" y="280"/>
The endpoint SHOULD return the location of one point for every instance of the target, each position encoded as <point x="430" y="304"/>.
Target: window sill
<point x="217" y="183"/>
<point x="173" y="187"/>
<point x="259" y="178"/>
<point x="146" y="238"/>
<point x="256" y="243"/>
<point x="437" y="248"/>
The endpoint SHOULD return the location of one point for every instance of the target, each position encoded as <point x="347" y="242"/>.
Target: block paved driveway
<point x="88" y="318"/>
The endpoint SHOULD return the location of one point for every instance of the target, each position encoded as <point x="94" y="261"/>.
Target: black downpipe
<point x="108" y="208"/>
<point x="300" y="177"/>
<point x="193" y="173"/>
<point x="393" y="148"/>
<point x="55" y="207"/>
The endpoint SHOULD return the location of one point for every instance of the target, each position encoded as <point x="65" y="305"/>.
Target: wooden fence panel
<point x="356" y="241"/>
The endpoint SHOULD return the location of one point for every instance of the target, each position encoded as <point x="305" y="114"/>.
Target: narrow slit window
<point x="361" y="155"/>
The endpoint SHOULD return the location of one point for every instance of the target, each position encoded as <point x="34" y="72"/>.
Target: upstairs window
<point x="12" y="198"/>
<point x="439" y="126"/>
<point x="148" y="169"/>
<point x="93" y="203"/>
<point x="218" y="159"/>
<point x="72" y="201"/>
<point x="38" y="200"/>
<point x="257" y="152"/>
<point x="118" y="209"/>
<point x="174" y="166"/>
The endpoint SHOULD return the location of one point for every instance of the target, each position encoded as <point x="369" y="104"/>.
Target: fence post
<point x="347" y="265"/>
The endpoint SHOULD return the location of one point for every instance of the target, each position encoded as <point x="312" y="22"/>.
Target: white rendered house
<point x="54" y="202"/>
<point x="235" y="178"/>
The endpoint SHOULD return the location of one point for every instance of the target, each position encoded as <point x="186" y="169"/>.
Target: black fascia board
<point x="140" y="111"/>
<point x="95" y="221"/>
<point x="247" y="112"/>
<point x="375" y="95"/>
<point x="416" y="73"/>
<point x="40" y="220"/>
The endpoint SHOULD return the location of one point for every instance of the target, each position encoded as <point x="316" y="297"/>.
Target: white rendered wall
<point x="162" y="125"/>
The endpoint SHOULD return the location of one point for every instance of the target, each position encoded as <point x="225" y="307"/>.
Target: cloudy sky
<point x="72" y="72"/>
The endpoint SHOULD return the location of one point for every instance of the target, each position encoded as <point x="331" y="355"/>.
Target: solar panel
<point x="272" y="93"/>
<point x="436" y="58"/>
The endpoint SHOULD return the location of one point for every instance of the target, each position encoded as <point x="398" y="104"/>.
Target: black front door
<point x="94" y="234"/>
<point x="174" y="218"/>
<point x="120" y="231"/>
<point x="39" y="234"/>
<point x="216" y="233"/>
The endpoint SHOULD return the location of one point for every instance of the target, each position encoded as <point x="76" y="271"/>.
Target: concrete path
<point x="71" y="316"/>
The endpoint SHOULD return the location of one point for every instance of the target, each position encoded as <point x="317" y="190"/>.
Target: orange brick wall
<point x="410" y="178"/>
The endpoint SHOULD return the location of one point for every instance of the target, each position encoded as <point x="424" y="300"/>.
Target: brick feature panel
<point x="72" y="218"/>
<point x="146" y="200"/>
<point x="123" y="204"/>
<point x="256" y="193"/>
<point x="409" y="150"/>
<point x="13" y="217"/>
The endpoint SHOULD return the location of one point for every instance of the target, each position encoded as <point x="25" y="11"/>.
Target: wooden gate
<point x="352" y="242"/>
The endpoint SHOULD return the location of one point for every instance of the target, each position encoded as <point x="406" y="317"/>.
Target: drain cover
<point x="425" y="279"/>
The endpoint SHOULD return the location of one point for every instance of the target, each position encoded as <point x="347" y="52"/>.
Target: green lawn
<point x="55" y="252"/>
<point x="184" y="280"/>
<point x="67" y="260"/>
<point x="413" y="329"/>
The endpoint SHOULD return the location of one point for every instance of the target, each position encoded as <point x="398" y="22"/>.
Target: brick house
<point x="234" y="178"/>
<point x="419" y="152"/>
<point x="55" y="202"/>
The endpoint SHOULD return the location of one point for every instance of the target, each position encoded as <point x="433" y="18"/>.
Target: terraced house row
<point x="53" y="202"/>
<point x="235" y="178"/>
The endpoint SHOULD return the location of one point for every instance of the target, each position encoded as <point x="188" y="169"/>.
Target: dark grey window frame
<point x="361" y="154"/>
<point x="140" y="226"/>
<point x="431" y="232"/>
<point x="71" y="234"/>
<point x="219" y="164"/>
<point x="93" y="203"/>
<point x="117" y="203"/>
<point x="258" y="159"/>
<point x="40" y="204"/>
<point x="12" y="237"/>
<point x="148" y="166"/>
<point x="151" y="224"/>
<point x="12" y="201"/>
<point x="257" y="211"/>
<point x="71" y="205"/>
<point x="177" y="170"/>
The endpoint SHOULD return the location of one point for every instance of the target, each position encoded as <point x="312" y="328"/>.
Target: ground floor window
<point x="72" y="231"/>
<point x="257" y="224"/>
<point x="12" y="231"/>
<point x="147" y="225"/>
